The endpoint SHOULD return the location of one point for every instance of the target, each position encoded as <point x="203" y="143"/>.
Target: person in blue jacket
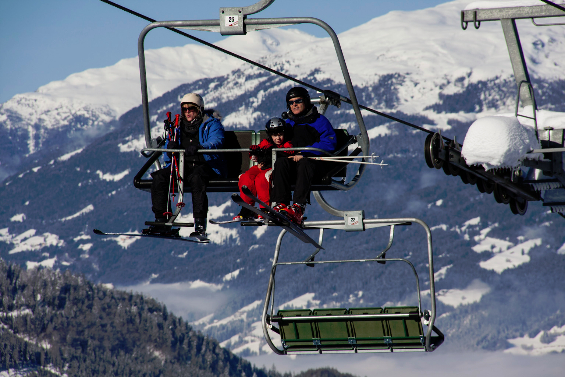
<point x="198" y="129"/>
<point x="309" y="129"/>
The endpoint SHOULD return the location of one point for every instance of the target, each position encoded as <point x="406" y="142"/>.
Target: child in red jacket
<point x="257" y="178"/>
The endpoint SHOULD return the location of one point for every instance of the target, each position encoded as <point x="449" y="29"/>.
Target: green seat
<point x="369" y="333"/>
<point x="407" y="332"/>
<point x="297" y="336"/>
<point x="333" y="334"/>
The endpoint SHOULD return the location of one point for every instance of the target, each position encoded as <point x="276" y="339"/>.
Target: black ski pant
<point x="285" y="172"/>
<point x="196" y="178"/>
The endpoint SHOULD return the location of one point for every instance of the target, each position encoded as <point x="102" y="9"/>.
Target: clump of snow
<point x="83" y="211"/>
<point x="19" y="217"/>
<point x="497" y="141"/>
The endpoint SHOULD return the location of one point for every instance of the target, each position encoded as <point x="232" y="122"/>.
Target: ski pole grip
<point x="169" y="116"/>
<point x="177" y="120"/>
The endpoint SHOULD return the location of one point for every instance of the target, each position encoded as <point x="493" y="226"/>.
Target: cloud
<point x="440" y="363"/>
<point x="186" y="299"/>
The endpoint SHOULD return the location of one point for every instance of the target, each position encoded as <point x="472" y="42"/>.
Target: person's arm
<point x="215" y="136"/>
<point x="328" y="140"/>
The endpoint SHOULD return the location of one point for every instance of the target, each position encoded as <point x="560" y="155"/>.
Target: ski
<point x="241" y="221"/>
<point x="275" y="217"/>
<point x="198" y="239"/>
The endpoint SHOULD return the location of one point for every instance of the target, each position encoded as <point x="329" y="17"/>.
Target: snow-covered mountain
<point x="427" y="48"/>
<point x="418" y="65"/>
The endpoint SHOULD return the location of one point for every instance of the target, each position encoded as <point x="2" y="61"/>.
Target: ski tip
<point x="96" y="231"/>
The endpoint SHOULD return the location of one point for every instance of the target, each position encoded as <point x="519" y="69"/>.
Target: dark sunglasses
<point x="189" y="108"/>
<point x="297" y="101"/>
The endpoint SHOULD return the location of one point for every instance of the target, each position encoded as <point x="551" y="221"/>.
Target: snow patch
<point x="132" y="145"/>
<point x="85" y="210"/>
<point x="379" y="131"/>
<point x="67" y="156"/>
<point x="85" y="246"/>
<point x="19" y="218"/>
<point x="512" y="257"/>
<point x="301" y="302"/>
<point x="112" y="177"/>
<point x="81" y="237"/>
<point x="259" y="231"/>
<point x="441" y="273"/>
<point x="492" y="244"/>
<point x="123" y="241"/>
<point x="28" y="241"/>
<point x="241" y="314"/>
<point x="440" y="226"/>
<point x="232" y="275"/>
<point x="457" y="297"/>
<point x="49" y="263"/>
<point x="540" y="344"/>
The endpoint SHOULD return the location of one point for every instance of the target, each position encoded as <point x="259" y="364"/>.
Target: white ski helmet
<point x="193" y="98"/>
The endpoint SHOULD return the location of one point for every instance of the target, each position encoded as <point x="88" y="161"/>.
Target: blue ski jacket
<point x="313" y="130"/>
<point x="210" y="136"/>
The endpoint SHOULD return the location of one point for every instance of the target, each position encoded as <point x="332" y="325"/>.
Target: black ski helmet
<point x="298" y="91"/>
<point x="275" y="125"/>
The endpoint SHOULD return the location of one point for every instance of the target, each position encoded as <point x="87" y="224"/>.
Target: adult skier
<point x="309" y="129"/>
<point x="198" y="129"/>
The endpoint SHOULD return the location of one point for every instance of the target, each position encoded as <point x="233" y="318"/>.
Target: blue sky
<point x="42" y="41"/>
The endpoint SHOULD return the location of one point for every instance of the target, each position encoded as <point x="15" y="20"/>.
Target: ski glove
<point x="191" y="150"/>
<point x="172" y="145"/>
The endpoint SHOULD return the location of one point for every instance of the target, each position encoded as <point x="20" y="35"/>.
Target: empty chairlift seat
<point x="355" y="329"/>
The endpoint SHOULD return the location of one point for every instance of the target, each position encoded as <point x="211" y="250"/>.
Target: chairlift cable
<point x="342" y="98"/>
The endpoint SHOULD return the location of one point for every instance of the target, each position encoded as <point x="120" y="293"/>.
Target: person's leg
<point x="160" y="192"/>
<point x="281" y="179"/>
<point x="197" y="179"/>
<point x="248" y="179"/>
<point x="262" y="186"/>
<point x="305" y="172"/>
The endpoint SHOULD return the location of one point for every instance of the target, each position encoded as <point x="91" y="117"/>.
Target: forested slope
<point x="58" y="323"/>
